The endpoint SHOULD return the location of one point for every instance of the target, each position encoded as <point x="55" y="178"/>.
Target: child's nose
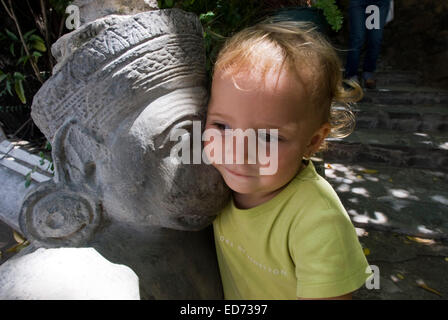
<point x="243" y="150"/>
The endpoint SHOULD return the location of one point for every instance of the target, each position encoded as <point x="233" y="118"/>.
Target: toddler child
<point x="285" y="235"/>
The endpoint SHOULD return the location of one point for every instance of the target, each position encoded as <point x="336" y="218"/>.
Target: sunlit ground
<point x="401" y="215"/>
<point x="408" y="200"/>
<point x="409" y="267"/>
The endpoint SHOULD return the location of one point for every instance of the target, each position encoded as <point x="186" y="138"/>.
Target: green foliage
<point x="59" y="5"/>
<point x="219" y="19"/>
<point x="9" y="80"/>
<point x="15" y="79"/>
<point x="43" y="158"/>
<point x="331" y="12"/>
<point x="28" y="178"/>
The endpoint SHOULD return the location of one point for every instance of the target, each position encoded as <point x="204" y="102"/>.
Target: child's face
<point x="280" y="101"/>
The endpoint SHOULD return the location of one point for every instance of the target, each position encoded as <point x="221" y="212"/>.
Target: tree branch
<point x="47" y="38"/>
<point x="14" y="18"/>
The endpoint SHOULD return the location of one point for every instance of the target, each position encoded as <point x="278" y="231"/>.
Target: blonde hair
<point x="267" y="44"/>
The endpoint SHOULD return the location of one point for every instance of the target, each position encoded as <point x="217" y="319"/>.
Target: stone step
<point x="409" y="118"/>
<point x="15" y="165"/>
<point x="23" y="162"/>
<point x="13" y="190"/>
<point x="408" y="149"/>
<point x="405" y="95"/>
<point x="398" y="77"/>
<point x="407" y="200"/>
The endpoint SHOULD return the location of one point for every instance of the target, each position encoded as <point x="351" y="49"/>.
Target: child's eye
<point x="268" y="137"/>
<point x="221" y="126"/>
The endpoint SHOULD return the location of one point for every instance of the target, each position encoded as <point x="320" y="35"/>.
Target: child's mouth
<point x="238" y="174"/>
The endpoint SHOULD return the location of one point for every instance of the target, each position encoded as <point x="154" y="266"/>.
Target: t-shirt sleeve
<point x="328" y="257"/>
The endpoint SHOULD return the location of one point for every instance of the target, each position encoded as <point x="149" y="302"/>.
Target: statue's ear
<point x="66" y="211"/>
<point x="76" y="152"/>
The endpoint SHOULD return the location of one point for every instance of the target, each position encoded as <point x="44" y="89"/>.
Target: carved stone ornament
<point x="122" y="84"/>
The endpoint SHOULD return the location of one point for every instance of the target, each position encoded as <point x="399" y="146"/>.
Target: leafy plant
<point x="43" y="158"/>
<point x="219" y="19"/>
<point x="26" y="61"/>
<point x="331" y="12"/>
<point x="15" y="79"/>
<point x="28" y="178"/>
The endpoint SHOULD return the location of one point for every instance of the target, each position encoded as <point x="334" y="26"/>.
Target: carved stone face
<point x="121" y="86"/>
<point x="144" y="185"/>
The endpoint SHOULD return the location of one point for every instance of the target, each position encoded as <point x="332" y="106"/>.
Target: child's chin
<point x="239" y="186"/>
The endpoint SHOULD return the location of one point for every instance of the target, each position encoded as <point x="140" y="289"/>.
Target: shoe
<point x="370" y="84"/>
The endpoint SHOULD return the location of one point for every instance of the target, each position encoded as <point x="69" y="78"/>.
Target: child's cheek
<point x="211" y="153"/>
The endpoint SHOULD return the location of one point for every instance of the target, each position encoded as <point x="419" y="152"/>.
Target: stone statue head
<point x="121" y="85"/>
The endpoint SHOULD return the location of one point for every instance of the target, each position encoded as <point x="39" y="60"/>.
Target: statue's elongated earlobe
<point x="52" y="215"/>
<point x="67" y="210"/>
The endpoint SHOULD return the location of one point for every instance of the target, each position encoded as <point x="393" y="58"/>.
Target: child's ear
<point x="318" y="138"/>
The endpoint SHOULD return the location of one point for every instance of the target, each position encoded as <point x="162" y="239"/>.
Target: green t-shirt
<point x="301" y="243"/>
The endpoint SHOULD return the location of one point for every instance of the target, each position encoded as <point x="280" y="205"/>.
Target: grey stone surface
<point x="405" y="200"/>
<point x="398" y="77"/>
<point x="401" y="263"/>
<point x="122" y="84"/>
<point x="407" y="118"/>
<point x="391" y="172"/>
<point x="392" y="147"/>
<point x="13" y="191"/>
<point x="405" y="94"/>
<point x="15" y="165"/>
<point x="91" y="10"/>
<point x="66" y="274"/>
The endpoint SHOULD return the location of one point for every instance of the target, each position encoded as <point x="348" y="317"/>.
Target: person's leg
<point x="374" y="38"/>
<point x="357" y="26"/>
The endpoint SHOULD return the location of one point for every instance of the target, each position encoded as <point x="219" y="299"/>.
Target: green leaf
<point x="48" y="146"/>
<point x="206" y="17"/>
<point x="11" y="49"/>
<point x="19" y="90"/>
<point x="36" y="55"/>
<point x="169" y="3"/>
<point x="11" y="35"/>
<point x="29" y="33"/>
<point x="28" y="180"/>
<point x="23" y="59"/>
<point x="35" y="37"/>
<point x="38" y="45"/>
<point x="8" y="87"/>
<point x="20" y="60"/>
<point x="3" y="76"/>
<point x="331" y="12"/>
<point x="42" y="158"/>
<point x="19" y="76"/>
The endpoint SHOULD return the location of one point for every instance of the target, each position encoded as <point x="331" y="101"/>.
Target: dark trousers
<point x="359" y="34"/>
